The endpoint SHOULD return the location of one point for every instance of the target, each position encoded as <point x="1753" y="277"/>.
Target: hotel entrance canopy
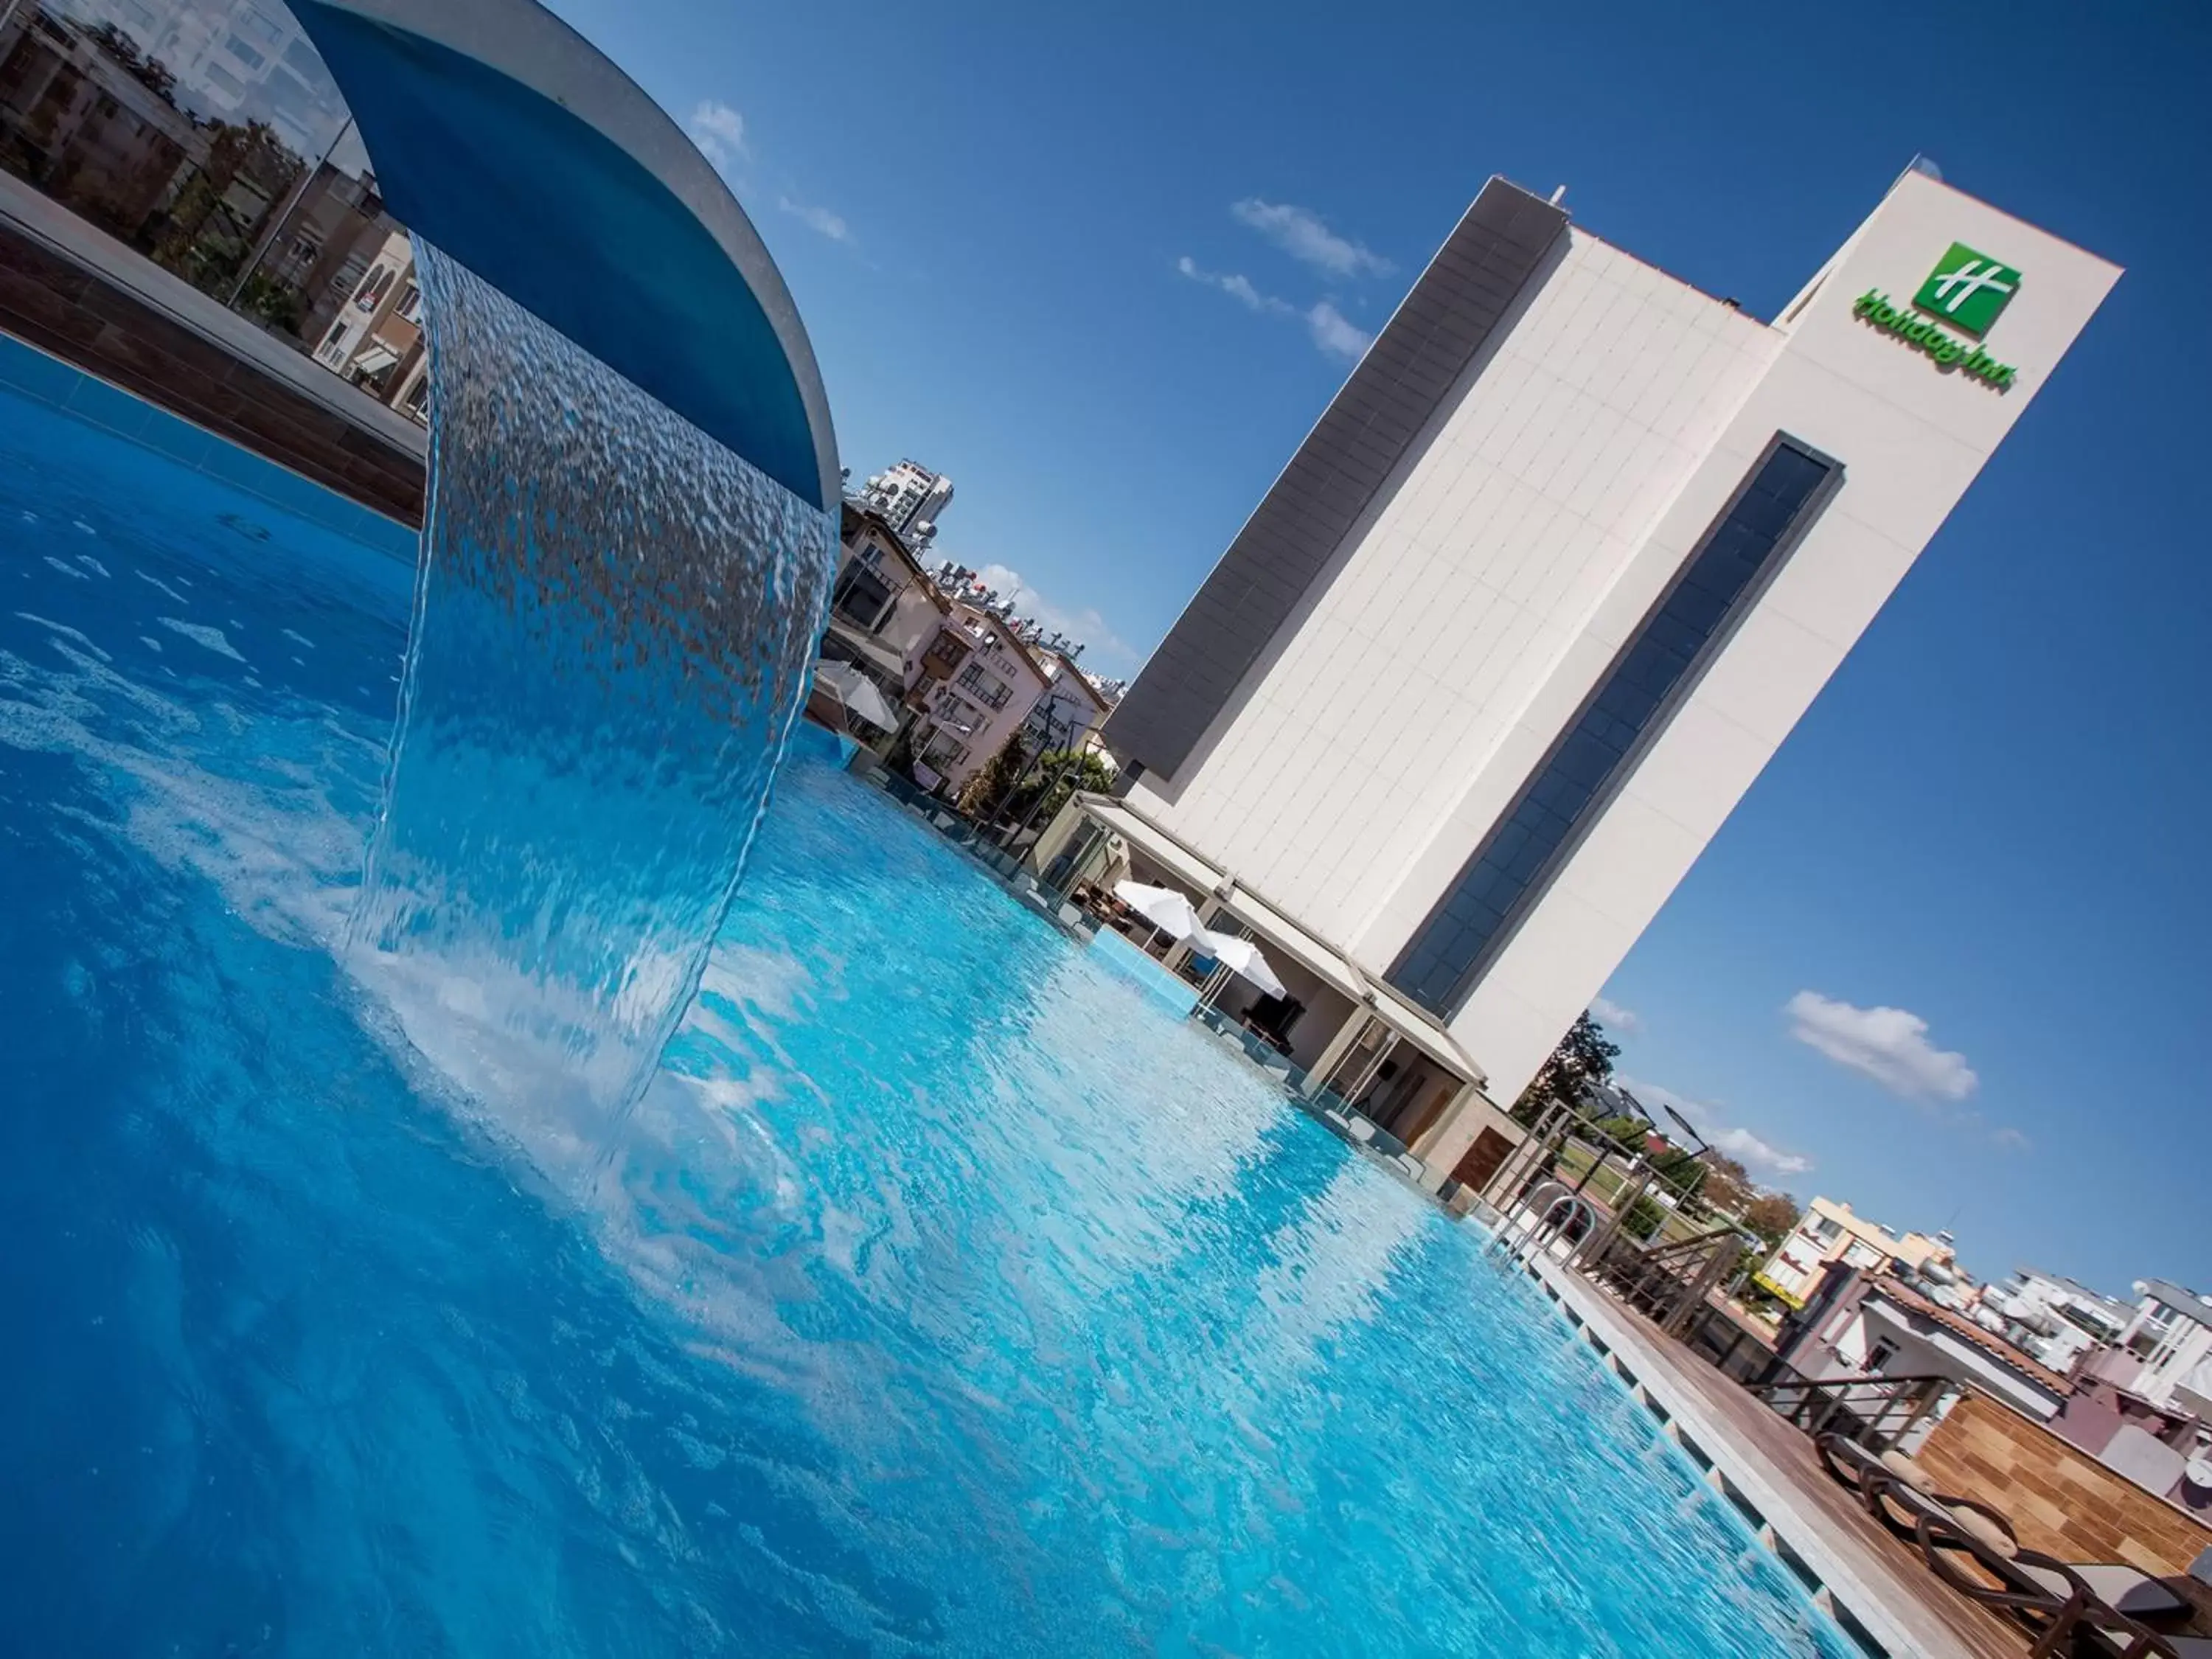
<point x="1282" y="933"/>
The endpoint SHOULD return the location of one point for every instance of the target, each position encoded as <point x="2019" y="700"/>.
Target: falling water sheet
<point x="613" y="619"/>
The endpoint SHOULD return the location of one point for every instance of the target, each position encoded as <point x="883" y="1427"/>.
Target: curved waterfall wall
<point x="614" y="618"/>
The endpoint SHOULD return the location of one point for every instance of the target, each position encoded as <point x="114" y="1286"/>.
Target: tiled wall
<point x="28" y="373"/>
<point x="2060" y="1500"/>
<point x="1463" y="590"/>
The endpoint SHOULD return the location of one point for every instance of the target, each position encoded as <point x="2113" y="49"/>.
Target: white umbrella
<point x="1240" y="957"/>
<point x="857" y="692"/>
<point x="1165" y="908"/>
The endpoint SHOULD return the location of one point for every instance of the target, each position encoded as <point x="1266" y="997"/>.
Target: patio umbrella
<point x="1165" y="908"/>
<point x="1241" y="958"/>
<point x="857" y="692"/>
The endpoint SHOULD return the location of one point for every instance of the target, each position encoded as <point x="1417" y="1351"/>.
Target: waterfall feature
<point x="614" y="618"/>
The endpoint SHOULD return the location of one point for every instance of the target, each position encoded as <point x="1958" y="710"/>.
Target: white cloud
<point x="1757" y="1155"/>
<point x="1301" y="233"/>
<point x="720" y="132"/>
<point x="1613" y="1015"/>
<point x="2013" y="1140"/>
<point x="817" y="219"/>
<point x="1889" y="1045"/>
<point x="1336" y="334"/>
<point x="1236" y="287"/>
<point x="1104" y="649"/>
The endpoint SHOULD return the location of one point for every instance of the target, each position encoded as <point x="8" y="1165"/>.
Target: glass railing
<point x="208" y="137"/>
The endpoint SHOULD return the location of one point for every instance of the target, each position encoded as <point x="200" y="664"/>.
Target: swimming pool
<point x="943" y="1294"/>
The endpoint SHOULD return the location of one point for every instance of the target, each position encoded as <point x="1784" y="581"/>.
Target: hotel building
<point x="1554" y="575"/>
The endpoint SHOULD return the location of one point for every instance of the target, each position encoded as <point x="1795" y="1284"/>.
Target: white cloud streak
<point x="819" y="219"/>
<point x="1889" y="1045"/>
<point x="1336" y="335"/>
<point x="1757" y="1155"/>
<point x="1236" y="287"/>
<point x="1614" y="1016"/>
<point x="720" y="132"/>
<point x="1302" y="234"/>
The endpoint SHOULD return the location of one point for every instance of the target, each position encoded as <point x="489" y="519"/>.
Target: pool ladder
<point x="1552" y="1217"/>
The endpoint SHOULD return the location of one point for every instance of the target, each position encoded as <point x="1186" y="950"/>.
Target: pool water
<point x="943" y="1294"/>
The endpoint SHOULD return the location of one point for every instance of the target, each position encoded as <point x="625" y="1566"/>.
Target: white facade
<point x="2165" y="1355"/>
<point x="1567" y="479"/>
<point x="2053" y="1318"/>
<point x="1828" y="1232"/>
<point x="911" y="497"/>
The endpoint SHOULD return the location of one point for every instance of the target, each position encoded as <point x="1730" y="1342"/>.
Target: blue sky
<point x="1948" y="959"/>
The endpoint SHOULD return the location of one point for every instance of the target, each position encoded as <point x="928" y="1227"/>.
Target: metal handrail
<point x="1794" y="1396"/>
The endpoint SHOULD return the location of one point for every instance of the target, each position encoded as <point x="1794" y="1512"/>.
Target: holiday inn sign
<point x="1967" y="291"/>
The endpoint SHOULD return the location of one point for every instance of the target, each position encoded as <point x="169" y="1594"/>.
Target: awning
<point x="1283" y="933"/>
<point x="374" y="358"/>
<point x="868" y="649"/>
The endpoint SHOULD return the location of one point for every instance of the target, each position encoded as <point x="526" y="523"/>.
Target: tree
<point x="1584" y="1056"/>
<point x="1682" y="1170"/>
<point x="1772" y="1216"/>
<point x="1060" y="773"/>
<point x="1628" y="1131"/>
<point x="1728" y="1185"/>
<point x="989" y="787"/>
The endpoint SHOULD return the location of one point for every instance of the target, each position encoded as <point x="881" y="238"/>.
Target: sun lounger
<point x="2054" y="1598"/>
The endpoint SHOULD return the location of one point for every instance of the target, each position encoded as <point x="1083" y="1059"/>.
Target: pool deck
<point x="1874" y="1585"/>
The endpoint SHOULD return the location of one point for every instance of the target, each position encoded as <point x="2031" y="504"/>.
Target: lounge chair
<point x="2052" y="1596"/>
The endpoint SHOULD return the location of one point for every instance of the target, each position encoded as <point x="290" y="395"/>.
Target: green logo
<point x="1967" y="289"/>
<point x="1949" y="351"/>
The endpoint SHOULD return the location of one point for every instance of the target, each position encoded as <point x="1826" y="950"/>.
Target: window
<point x="245" y="54"/>
<point x="1878" y="1355"/>
<point x="1827" y="1230"/>
<point x="862" y="596"/>
<point x="1525" y="850"/>
<point x="411" y="305"/>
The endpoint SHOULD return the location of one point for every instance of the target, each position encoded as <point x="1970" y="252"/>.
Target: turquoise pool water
<point x="943" y="1294"/>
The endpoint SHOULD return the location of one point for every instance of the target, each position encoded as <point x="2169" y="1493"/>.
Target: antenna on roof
<point x="1558" y="195"/>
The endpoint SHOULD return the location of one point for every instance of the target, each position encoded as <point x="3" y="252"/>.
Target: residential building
<point x="2134" y="1420"/>
<point x="233" y="60"/>
<point x="885" y="614"/>
<point x="376" y="341"/>
<point x="969" y="713"/>
<point x="911" y="498"/>
<point x="312" y="263"/>
<point x="2052" y="1317"/>
<point x="87" y="121"/>
<point x="1828" y="1232"/>
<point x="1863" y="1321"/>
<point x="1554" y="575"/>
<point x="1072" y="709"/>
<point x="2165" y="1354"/>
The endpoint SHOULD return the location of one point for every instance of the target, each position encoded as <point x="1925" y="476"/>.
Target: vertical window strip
<point x="1525" y="848"/>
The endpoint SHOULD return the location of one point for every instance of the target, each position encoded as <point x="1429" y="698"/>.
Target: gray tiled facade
<point x="1366" y="433"/>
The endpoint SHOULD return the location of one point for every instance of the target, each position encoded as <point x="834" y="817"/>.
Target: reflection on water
<point x="613" y="620"/>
